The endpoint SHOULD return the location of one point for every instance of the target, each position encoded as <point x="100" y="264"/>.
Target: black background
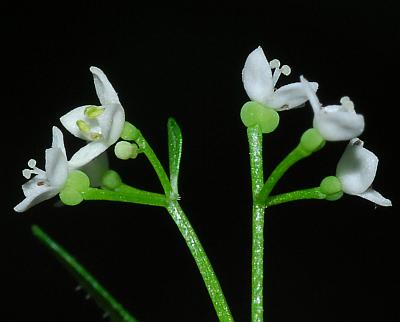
<point x="324" y="261"/>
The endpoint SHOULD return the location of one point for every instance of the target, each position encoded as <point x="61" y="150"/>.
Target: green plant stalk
<point x="103" y="299"/>
<point x="294" y="156"/>
<point x="130" y="194"/>
<point x="311" y="193"/>
<point x="157" y="166"/>
<point x="202" y="261"/>
<point x="255" y="139"/>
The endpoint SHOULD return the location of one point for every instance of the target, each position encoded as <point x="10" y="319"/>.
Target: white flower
<point x="356" y="171"/>
<point x="334" y="122"/>
<point x="100" y="125"/>
<point x="46" y="184"/>
<point x="259" y="83"/>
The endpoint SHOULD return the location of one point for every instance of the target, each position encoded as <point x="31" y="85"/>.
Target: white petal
<point x="41" y="193"/>
<point x="112" y="122"/>
<point x="310" y="92"/>
<point x="58" y="139"/>
<point x="69" y="121"/>
<point x="375" y="197"/>
<point x="290" y="96"/>
<point x="117" y="124"/>
<point x="32" y="184"/>
<point x="87" y="153"/>
<point x="338" y="125"/>
<point x="257" y="76"/>
<point x="56" y="167"/>
<point x="356" y="169"/>
<point x="105" y="91"/>
<point x="96" y="168"/>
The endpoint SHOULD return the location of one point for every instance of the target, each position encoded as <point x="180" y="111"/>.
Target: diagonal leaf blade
<point x="114" y="310"/>
<point x="174" y="152"/>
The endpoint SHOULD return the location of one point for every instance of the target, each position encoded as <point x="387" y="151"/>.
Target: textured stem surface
<point x="257" y="266"/>
<point x="312" y="193"/>
<point x="202" y="261"/>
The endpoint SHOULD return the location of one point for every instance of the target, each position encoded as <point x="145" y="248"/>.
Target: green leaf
<point x="114" y="310"/>
<point x="175" y="152"/>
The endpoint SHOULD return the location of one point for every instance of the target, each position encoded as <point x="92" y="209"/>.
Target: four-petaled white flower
<point x="334" y="122"/>
<point x="100" y="125"/>
<point x="259" y="83"/>
<point x="49" y="182"/>
<point x="356" y="171"/>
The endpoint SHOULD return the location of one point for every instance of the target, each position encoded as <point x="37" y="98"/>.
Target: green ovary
<point x="332" y="188"/>
<point x="254" y="113"/>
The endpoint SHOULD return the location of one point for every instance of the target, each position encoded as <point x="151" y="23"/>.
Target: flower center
<point x="90" y="128"/>
<point x="285" y="70"/>
<point x="27" y="173"/>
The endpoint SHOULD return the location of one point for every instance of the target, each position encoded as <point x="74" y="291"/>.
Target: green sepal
<point x="174" y="152"/>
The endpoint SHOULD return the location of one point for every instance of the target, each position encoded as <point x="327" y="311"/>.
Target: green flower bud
<point x="111" y="180"/>
<point x="253" y="113"/>
<point x="129" y="132"/>
<point x="332" y="188"/>
<point x="312" y="141"/>
<point x="125" y="150"/>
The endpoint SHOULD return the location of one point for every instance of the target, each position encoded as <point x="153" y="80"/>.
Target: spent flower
<point x="334" y="122"/>
<point x="356" y="171"/>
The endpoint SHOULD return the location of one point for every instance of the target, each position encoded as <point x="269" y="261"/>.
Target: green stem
<point x="294" y="156"/>
<point x="257" y="266"/>
<point x="311" y="193"/>
<point x="131" y="195"/>
<point x="158" y="168"/>
<point x="202" y="261"/>
<point x="104" y="299"/>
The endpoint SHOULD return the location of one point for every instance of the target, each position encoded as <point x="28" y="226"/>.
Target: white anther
<point x="27" y="173"/>
<point x="32" y="163"/>
<point x="344" y="99"/>
<point x="347" y="103"/>
<point x="286" y="70"/>
<point x="275" y="63"/>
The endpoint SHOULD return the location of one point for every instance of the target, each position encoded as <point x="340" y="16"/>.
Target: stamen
<point x="275" y="76"/>
<point x="32" y="163"/>
<point x="275" y="63"/>
<point x="286" y="70"/>
<point x="27" y="173"/>
<point x="347" y="103"/>
<point x="95" y="136"/>
<point x="83" y="126"/>
<point x="93" y="111"/>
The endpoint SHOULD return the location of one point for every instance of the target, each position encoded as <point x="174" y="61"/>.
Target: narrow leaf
<point x="175" y="152"/>
<point x="103" y="299"/>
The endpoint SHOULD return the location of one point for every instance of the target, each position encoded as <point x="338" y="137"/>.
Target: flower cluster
<point x="100" y="126"/>
<point x="357" y="167"/>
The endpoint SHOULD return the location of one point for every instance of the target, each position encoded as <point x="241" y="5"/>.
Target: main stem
<point x="257" y="262"/>
<point x="188" y="233"/>
<point x="202" y="261"/>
